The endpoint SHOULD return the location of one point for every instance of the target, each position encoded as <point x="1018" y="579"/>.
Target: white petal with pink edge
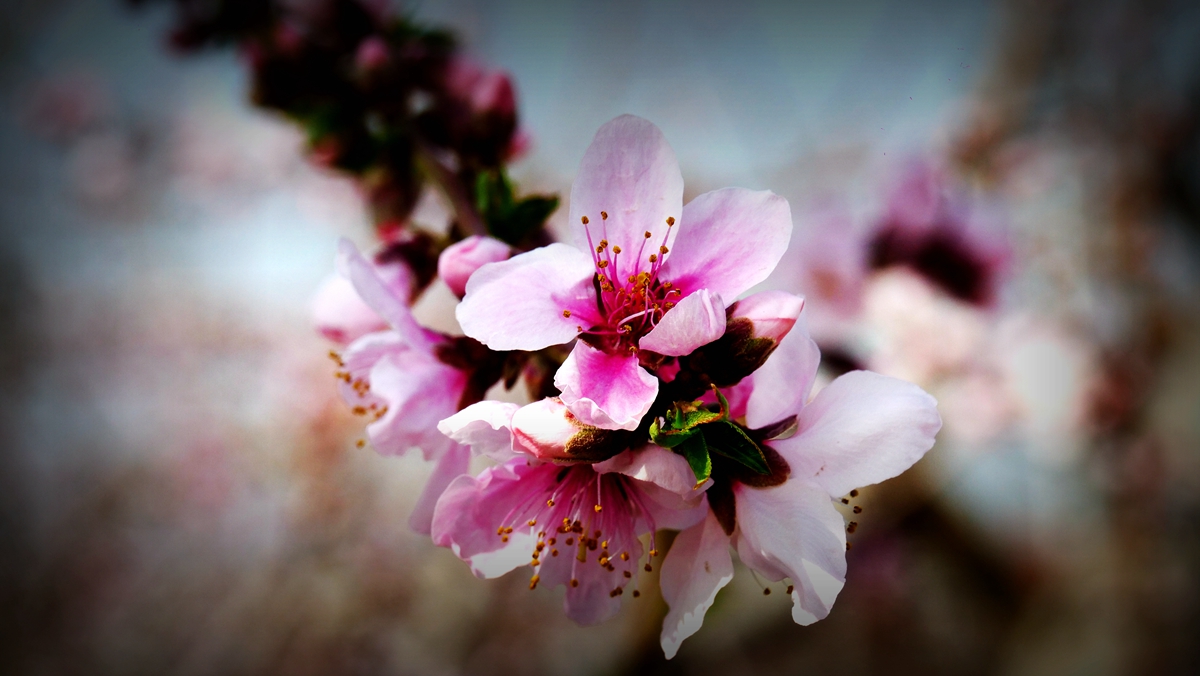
<point x="483" y="426"/>
<point x="861" y="429"/>
<point x="781" y="384"/>
<point x="793" y="531"/>
<point x="696" y="568"/>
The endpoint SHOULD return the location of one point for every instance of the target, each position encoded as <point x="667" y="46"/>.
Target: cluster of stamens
<point x="574" y="522"/>
<point x="630" y="297"/>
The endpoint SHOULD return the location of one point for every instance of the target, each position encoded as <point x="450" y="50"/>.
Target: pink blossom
<point x="576" y="525"/>
<point x="861" y="429"/>
<point x="372" y="54"/>
<point x="396" y="378"/>
<point x="460" y="260"/>
<point x="487" y="92"/>
<point x="639" y="285"/>
<point x="929" y="228"/>
<point x="341" y="315"/>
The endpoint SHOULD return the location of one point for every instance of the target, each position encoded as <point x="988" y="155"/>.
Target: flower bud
<point x="371" y="55"/>
<point x="548" y="431"/>
<point x="493" y="94"/>
<point x="460" y="260"/>
<point x="773" y="313"/>
<point x="544" y="428"/>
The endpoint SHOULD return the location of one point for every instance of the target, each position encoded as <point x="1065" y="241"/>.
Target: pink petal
<point x="419" y="391"/>
<point x="697" y="320"/>
<point x="861" y="429"/>
<point x="793" y="531"/>
<point x="781" y="385"/>
<point x="773" y="313"/>
<point x="658" y="466"/>
<point x="696" y="568"/>
<point x="518" y="304"/>
<point x="340" y="315"/>
<point x="386" y="301"/>
<point x="630" y="173"/>
<point x="608" y="391"/>
<point x="450" y="466"/>
<point x="460" y="260"/>
<point x="485" y="427"/>
<point x="729" y="240"/>
<point x="466" y="515"/>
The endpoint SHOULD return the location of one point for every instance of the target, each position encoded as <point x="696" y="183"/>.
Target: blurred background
<point x="999" y="201"/>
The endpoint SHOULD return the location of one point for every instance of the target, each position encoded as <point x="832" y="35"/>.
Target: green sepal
<point x="695" y="451"/>
<point x="730" y="440"/>
<point x="669" y="437"/>
<point x="509" y="219"/>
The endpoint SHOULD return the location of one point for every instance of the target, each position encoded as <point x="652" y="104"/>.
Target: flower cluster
<point x="661" y="398"/>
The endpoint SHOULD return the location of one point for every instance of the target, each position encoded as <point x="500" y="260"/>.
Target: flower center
<point x="590" y="517"/>
<point x="630" y="297"/>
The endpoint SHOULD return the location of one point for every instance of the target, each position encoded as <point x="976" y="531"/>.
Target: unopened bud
<point x="460" y="260"/>
<point x="773" y="313"/>
<point x="547" y="430"/>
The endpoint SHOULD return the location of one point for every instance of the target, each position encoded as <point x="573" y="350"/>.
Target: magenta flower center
<point x="589" y="519"/>
<point x="630" y="297"/>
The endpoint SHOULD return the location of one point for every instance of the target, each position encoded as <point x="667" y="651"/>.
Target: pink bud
<point x="372" y="54"/>
<point x="493" y="94"/>
<point x="544" y="428"/>
<point x="773" y="313"/>
<point x="459" y="261"/>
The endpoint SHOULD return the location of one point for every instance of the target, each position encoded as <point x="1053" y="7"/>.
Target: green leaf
<point x="695" y="451"/>
<point x="728" y="439"/>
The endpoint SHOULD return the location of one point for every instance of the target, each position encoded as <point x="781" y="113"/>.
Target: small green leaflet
<point x="695" y="451"/>
<point x="731" y="441"/>
<point x="694" y="431"/>
<point x="509" y="219"/>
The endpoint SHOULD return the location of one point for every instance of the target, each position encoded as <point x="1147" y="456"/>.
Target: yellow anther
<point x="360" y="443"/>
<point x="550" y="503"/>
<point x="670" y="220"/>
<point x="533" y="581"/>
<point x="585" y="220"/>
<point x="566" y="313"/>
<point x="598" y="508"/>
<point x="604" y="215"/>
<point x="653" y="257"/>
<point x="616" y="249"/>
<point x="663" y="249"/>
<point x="603" y="264"/>
<point x="648" y="235"/>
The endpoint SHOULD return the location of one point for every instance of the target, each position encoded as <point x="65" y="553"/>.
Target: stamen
<point x="670" y="221"/>
<point x="604" y="215"/>
<point x="566" y="313"/>
<point x="584" y="219"/>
